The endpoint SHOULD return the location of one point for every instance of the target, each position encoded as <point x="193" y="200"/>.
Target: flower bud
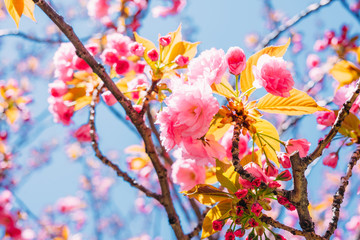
<point x="229" y="235"/>
<point x="284" y="176"/>
<point x="108" y="98"/>
<point x="241" y="193"/>
<point x="218" y="224"/>
<point x="165" y="40"/>
<point x="256" y="208"/>
<point x="137" y="49"/>
<point x="236" y="60"/>
<point x="239" y="233"/>
<point x="331" y="160"/>
<point x="181" y="60"/>
<point x="153" y="55"/>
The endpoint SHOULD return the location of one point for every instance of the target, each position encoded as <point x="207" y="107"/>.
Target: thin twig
<point x="17" y="33"/>
<point x="347" y="8"/>
<point x="343" y="113"/>
<point x="106" y="161"/>
<point x="293" y="231"/>
<point x="339" y="195"/>
<point x="291" y="22"/>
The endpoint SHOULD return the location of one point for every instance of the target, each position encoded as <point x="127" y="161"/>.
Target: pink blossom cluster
<point x="175" y="8"/>
<point x="330" y="39"/>
<point x="8" y="219"/>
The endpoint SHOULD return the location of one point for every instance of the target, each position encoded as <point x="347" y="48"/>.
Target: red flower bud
<point x="284" y="176"/>
<point x="229" y="235"/>
<point x="256" y="182"/>
<point x="218" y="224"/>
<point x="253" y="222"/>
<point x="256" y="208"/>
<point x="274" y="184"/>
<point x="153" y="55"/>
<point x="239" y="211"/>
<point x="241" y="193"/>
<point x="239" y="233"/>
<point x="181" y="60"/>
<point x="236" y="60"/>
<point x="282" y="200"/>
<point x="165" y="40"/>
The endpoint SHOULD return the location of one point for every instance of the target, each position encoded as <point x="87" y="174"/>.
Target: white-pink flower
<point x="226" y="141"/>
<point x="63" y="61"/>
<point x="189" y="111"/>
<point x="69" y="204"/>
<point x="187" y="173"/>
<point x="301" y="145"/>
<point x="272" y="74"/>
<point x="62" y="113"/>
<point x="120" y="43"/>
<point x="98" y="8"/>
<point x="344" y="93"/>
<point x="209" y="66"/>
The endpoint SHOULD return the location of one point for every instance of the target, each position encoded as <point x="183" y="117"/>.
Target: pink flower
<point x="137" y="49"/>
<point x="253" y="223"/>
<point x="218" y="224"/>
<point x="187" y="173"/>
<point x="108" y="98"/>
<point x="165" y="40"/>
<point x="63" y="61"/>
<point x="82" y="134"/>
<point x="139" y="67"/>
<point x="203" y="151"/>
<point x="344" y="93"/>
<point x="284" y="159"/>
<point x="153" y="55"/>
<point x="181" y="60"/>
<point x="236" y="60"/>
<point x="138" y="85"/>
<point x="69" y="204"/>
<point x="109" y="56"/>
<point x="120" y="43"/>
<point x="241" y="193"/>
<point x="301" y="145"/>
<point x="189" y="111"/>
<point x="98" y="8"/>
<point x="122" y="66"/>
<point x="331" y="160"/>
<point x="320" y="45"/>
<point x="256" y="171"/>
<point x="271" y="73"/>
<point x="58" y="88"/>
<point x="210" y="66"/>
<point x="325" y="118"/>
<point x="239" y="233"/>
<point x="270" y="169"/>
<point x="177" y="6"/>
<point x="226" y="141"/>
<point x="312" y="60"/>
<point x="274" y="184"/>
<point x="256" y="208"/>
<point x="61" y="112"/>
<point x="353" y="224"/>
<point x="239" y="211"/>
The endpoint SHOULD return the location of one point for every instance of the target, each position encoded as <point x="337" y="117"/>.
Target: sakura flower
<point x="61" y="112"/>
<point x="210" y="66"/>
<point x="271" y="73"/>
<point x="325" y="118"/>
<point x="165" y="40"/>
<point x="312" y="60"/>
<point x="331" y="160"/>
<point x="57" y="88"/>
<point x="301" y="145"/>
<point x="236" y="60"/>
<point x="187" y="173"/>
<point x="82" y="134"/>
<point x="137" y="49"/>
<point x="189" y="111"/>
<point x="108" y="98"/>
<point x="69" y="204"/>
<point x="120" y="43"/>
<point x="256" y="171"/>
<point x="226" y="141"/>
<point x="344" y="93"/>
<point x="98" y="8"/>
<point x="153" y="55"/>
<point x="63" y="61"/>
<point x="161" y="11"/>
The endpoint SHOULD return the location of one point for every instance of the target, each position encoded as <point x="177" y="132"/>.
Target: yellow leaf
<point x="186" y="49"/>
<point x="254" y="157"/>
<point x="224" y="88"/>
<point x="138" y="163"/>
<point x="350" y="124"/>
<point x="210" y="177"/>
<point x="12" y="114"/>
<point x="15" y="9"/>
<point x="226" y="175"/>
<point x="206" y="194"/>
<point x="265" y="137"/>
<point x="247" y="77"/>
<point x="345" y="73"/>
<point x="298" y="103"/>
<point x="82" y="102"/>
<point x="29" y="6"/>
<point x="74" y="93"/>
<point x="217" y="129"/>
<point x="219" y="211"/>
<point x="175" y="38"/>
<point x="148" y="45"/>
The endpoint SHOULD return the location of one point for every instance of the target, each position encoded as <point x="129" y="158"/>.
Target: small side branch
<point x="339" y="195"/>
<point x="291" y="22"/>
<point x="343" y="113"/>
<point x="106" y="161"/>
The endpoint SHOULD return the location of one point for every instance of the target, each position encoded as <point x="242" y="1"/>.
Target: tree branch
<point x="347" y="8"/>
<point x="293" y="231"/>
<point x="106" y="161"/>
<point x="139" y="123"/>
<point x="291" y="22"/>
<point x="343" y="113"/>
<point x="17" y="33"/>
<point x="339" y="195"/>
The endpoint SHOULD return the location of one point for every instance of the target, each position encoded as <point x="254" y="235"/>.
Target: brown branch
<point x="17" y="33"/>
<point x="146" y="103"/>
<point x="139" y="123"/>
<point x="339" y="195"/>
<point x="293" y="231"/>
<point x="291" y="22"/>
<point x="299" y="195"/>
<point x="105" y="160"/>
<point x="198" y="227"/>
<point x="343" y="113"/>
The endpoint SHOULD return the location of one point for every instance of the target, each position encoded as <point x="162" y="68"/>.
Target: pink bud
<point x="109" y="56"/>
<point x="108" y="98"/>
<point x="284" y="176"/>
<point x="58" y="88"/>
<point x="312" y="60"/>
<point x="282" y="200"/>
<point x="270" y="170"/>
<point x="82" y="134"/>
<point x="301" y="145"/>
<point x="325" y="118"/>
<point x="218" y="224"/>
<point x="284" y="159"/>
<point x="274" y="184"/>
<point x="239" y="211"/>
<point x="153" y="55"/>
<point x="137" y="49"/>
<point x="165" y="40"/>
<point x="241" y="193"/>
<point x="331" y="160"/>
<point x="256" y="208"/>
<point x="320" y="45"/>
<point x="236" y="60"/>
<point x="122" y="66"/>
<point x="253" y="222"/>
<point x="290" y="207"/>
<point x="256" y="182"/>
<point x="239" y="233"/>
<point x="229" y="235"/>
<point x="139" y="67"/>
<point x="181" y="60"/>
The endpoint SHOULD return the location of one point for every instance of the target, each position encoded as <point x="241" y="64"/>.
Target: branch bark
<point x="339" y="195"/>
